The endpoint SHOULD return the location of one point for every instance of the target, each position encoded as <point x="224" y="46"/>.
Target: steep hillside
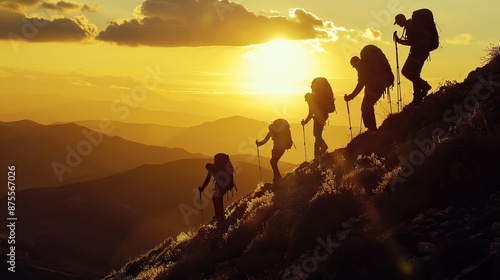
<point x="417" y="199"/>
<point x="88" y="228"/>
<point x="50" y="155"/>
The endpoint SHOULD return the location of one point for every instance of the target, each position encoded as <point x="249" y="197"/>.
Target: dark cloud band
<point x="60" y="6"/>
<point x="203" y="23"/>
<point x="16" y="26"/>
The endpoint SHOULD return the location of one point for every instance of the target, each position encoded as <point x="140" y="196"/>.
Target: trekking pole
<point x="398" y="78"/>
<point x="201" y="209"/>
<point x="305" y="150"/>
<point x="260" y="169"/>
<point x="389" y="98"/>
<point x="349" y="116"/>
<point x="361" y="124"/>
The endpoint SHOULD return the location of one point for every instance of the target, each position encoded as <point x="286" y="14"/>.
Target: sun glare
<point x="278" y="66"/>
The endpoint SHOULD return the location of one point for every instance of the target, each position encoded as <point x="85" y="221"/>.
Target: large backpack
<point x="223" y="172"/>
<point x="282" y="135"/>
<point x="323" y="95"/>
<point x="424" y="19"/>
<point x="378" y="66"/>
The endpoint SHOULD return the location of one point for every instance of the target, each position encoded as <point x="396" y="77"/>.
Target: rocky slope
<point x="417" y="199"/>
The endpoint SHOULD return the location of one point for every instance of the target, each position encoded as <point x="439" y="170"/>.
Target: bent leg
<point x="276" y="155"/>
<point x="218" y="208"/>
<point x="320" y="146"/>
<point x="411" y="70"/>
<point x="368" y="112"/>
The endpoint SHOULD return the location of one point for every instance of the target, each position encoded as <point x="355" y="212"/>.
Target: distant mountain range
<point x="233" y="135"/>
<point x="50" y="155"/>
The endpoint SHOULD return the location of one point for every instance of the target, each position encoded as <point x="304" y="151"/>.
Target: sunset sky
<point x="254" y="58"/>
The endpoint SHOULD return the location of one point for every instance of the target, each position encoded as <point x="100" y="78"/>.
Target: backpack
<point x="223" y="172"/>
<point x="282" y="135"/>
<point x="378" y="66"/>
<point x="323" y="95"/>
<point x="425" y="20"/>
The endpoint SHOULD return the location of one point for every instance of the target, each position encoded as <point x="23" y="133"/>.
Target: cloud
<point x="59" y="6"/>
<point x="461" y="39"/>
<point x="305" y="17"/>
<point x="372" y="34"/>
<point x="168" y="9"/>
<point x="65" y="6"/>
<point x="83" y="83"/>
<point x="17" y="5"/>
<point x="16" y="26"/>
<point x="172" y="23"/>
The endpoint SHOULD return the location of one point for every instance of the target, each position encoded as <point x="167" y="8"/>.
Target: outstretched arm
<point x="205" y="183"/>
<point x="264" y="141"/>
<point x="355" y="92"/>
<point x="400" y="40"/>
<point x="309" y="115"/>
<point x="359" y="86"/>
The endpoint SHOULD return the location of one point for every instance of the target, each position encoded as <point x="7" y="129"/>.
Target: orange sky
<point x="206" y="52"/>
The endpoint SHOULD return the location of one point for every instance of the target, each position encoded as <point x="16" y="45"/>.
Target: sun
<point x="277" y="66"/>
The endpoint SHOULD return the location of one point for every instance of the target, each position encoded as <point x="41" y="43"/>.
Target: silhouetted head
<point x="400" y="20"/>
<point x="355" y="61"/>
<point x="209" y="166"/>
<point x="320" y="85"/>
<point x="307" y="97"/>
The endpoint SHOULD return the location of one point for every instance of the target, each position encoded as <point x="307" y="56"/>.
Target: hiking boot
<point x="416" y="102"/>
<point x="425" y="89"/>
<point x="417" y="99"/>
<point x="323" y="149"/>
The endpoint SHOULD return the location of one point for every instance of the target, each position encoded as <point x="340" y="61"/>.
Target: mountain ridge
<point x="52" y="154"/>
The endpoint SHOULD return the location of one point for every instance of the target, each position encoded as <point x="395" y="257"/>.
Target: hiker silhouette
<point x="279" y="131"/>
<point x="222" y="172"/>
<point x="421" y="42"/>
<point x="374" y="75"/>
<point x="320" y="102"/>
